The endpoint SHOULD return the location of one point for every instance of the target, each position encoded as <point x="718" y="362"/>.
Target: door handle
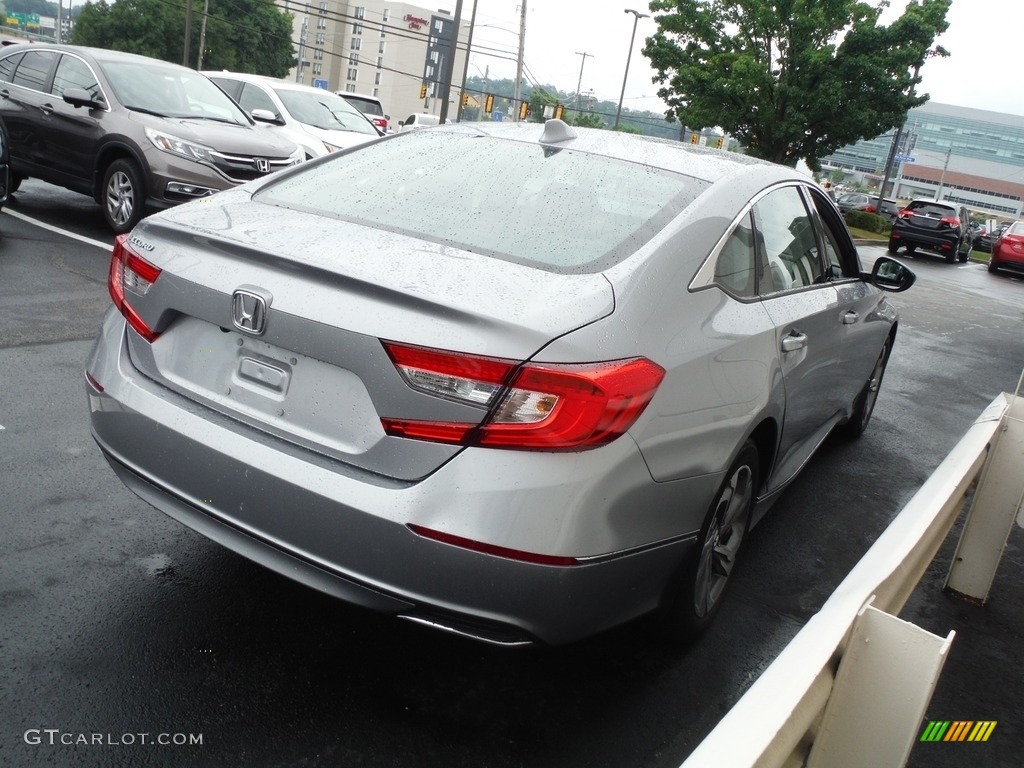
<point x="46" y="109"/>
<point x="850" y="318"/>
<point x="794" y="341"/>
<point x="5" y="94"/>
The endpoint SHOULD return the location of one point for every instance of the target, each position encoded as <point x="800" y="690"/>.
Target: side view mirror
<point x="266" y="116"/>
<point x="889" y="275"/>
<point x="79" y="97"/>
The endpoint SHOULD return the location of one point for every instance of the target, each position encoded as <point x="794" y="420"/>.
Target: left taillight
<point x="131" y="276"/>
<point x="527" y="406"/>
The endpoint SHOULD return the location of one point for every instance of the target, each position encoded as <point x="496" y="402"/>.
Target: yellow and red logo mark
<point x="958" y="730"/>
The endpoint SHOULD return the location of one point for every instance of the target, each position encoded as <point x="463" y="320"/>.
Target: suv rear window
<point x="932" y="210"/>
<point x="559" y="210"/>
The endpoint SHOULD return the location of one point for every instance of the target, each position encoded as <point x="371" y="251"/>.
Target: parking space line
<point x="58" y="230"/>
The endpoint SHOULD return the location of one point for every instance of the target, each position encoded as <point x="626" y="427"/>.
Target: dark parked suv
<point x="127" y="130"/>
<point x="938" y="226"/>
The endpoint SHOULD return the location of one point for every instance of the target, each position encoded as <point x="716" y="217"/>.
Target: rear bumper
<point x="345" y="531"/>
<point x="934" y="242"/>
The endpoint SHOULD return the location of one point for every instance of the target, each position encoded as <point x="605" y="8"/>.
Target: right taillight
<point x="529" y="406"/>
<point x="130" y="275"/>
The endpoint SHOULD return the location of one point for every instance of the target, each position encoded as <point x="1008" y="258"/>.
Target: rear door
<point x="24" y="96"/>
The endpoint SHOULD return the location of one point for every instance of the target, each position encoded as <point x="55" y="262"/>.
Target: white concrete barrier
<point x="855" y="668"/>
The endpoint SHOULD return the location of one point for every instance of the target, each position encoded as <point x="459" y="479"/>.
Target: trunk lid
<point x="318" y="375"/>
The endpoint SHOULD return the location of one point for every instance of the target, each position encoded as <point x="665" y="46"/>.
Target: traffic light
<point x="559" y="109"/>
<point x="694" y="138"/>
<point x="524" y="110"/>
<point x="489" y="104"/>
<point x="720" y="143"/>
<point x="423" y="91"/>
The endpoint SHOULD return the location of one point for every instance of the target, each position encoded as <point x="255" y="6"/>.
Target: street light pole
<point x="636" y="17"/>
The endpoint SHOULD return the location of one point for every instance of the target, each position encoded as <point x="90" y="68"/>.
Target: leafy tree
<point x="588" y="120"/>
<point x="241" y="35"/>
<point x="792" y="79"/>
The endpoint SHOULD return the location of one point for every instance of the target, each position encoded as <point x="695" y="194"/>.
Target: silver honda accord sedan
<point x="518" y="382"/>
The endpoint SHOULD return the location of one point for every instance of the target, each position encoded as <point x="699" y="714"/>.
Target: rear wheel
<point x="16" y="180"/>
<point x="864" y="406"/>
<point x="954" y="254"/>
<point x="894" y="245"/>
<point x="992" y="266"/>
<point x="123" y="195"/>
<point x="701" y="584"/>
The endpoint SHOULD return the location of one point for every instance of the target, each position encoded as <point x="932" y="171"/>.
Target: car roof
<point x="708" y="164"/>
<point x="99" y="54"/>
<point x="276" y="83"/>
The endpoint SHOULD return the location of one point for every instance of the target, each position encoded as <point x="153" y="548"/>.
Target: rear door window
<point x="34" y="70"/>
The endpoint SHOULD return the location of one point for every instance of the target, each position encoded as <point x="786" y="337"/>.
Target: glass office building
<point x="964" y="155"/>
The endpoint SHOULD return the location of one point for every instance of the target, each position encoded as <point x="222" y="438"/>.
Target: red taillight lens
<point x="542" y="407"/>
<point x="906" y="213"/>
<point x="950" y="221"/>
<point x="129" y="275"/>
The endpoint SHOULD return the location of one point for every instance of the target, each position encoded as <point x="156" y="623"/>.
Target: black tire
<point x="992" y="266"/>
<point x="954" y="254"/>
<point x="697" y="591"/>
<point x="16" y="180"/>
<point x="123" y="195"/>
<point x="893" y="246"/>
<point x="864" y="405"/>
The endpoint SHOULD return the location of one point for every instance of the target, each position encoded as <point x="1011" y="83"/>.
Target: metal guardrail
<point x="855" y="667"/>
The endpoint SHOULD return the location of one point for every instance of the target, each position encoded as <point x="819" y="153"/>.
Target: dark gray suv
<point x="127" y="130"/>
<point x="938" y="226"/>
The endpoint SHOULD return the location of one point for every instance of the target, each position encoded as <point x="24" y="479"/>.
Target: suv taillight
<point x="529" y="406"/>
<point x="950" y="221"/>
<point x="130" y="275"/>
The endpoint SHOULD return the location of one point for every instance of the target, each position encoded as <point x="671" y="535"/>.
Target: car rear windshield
<point x="556" y="209"/>
<point x="933" y="210"/>
<point x="366" y="106"/>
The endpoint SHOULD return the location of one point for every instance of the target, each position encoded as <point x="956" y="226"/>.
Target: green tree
<point x="585" y="120"/>
<point x="241" y="35"/>
<point x="792" y="79"/>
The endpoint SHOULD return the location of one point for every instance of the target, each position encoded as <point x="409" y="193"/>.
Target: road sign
<point x="319" y="83"/>
<point x="905" y="159"/>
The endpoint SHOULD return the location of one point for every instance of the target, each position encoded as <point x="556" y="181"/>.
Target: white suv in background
<point x="314" y="118"/>
<point x="371" y="107"/>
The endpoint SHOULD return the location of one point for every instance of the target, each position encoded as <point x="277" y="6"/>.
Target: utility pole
<point x="942" y="179"/>
<point x="202" y="34"/>
<point x="519" y="61"/>
<point x="449" y="64"/>
<point x="188" y="30"/>
<point x="465" y="66"/>
<point x="580" y="81"/>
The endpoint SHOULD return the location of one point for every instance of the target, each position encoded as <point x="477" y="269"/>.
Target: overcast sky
<point x="981" y="72"/>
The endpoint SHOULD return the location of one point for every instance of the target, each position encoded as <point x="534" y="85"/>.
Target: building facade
<point x="395" y="51"/>
<point x="969" y="156"/>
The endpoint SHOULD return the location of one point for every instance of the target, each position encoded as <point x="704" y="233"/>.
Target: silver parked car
<point x="518" y="382"/>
